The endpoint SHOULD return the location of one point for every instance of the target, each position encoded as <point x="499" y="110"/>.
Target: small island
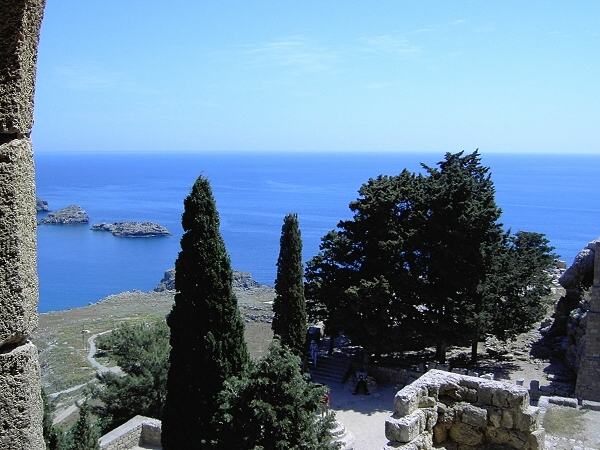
<point x="41" y="205"/>
<point x="71" y="215"/>
<point x="132" y="229"/>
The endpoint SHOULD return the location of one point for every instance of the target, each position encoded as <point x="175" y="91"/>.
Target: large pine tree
<point x="207" y="332"/>
<point x="289" y="306"/>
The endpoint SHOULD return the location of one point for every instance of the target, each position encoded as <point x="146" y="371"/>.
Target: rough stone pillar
<point x="588" y="384"/>
<point x="20" y="389"/>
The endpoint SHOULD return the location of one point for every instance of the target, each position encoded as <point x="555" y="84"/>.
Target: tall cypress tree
<point x="207" y="332"/>
<point x="289" y="306"/>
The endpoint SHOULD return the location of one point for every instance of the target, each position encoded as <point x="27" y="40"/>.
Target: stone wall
<point x="463" y="412"/>
<point x="589" y="368"/>
<point x="20" y="390"/>
<point x="139" y="431"/>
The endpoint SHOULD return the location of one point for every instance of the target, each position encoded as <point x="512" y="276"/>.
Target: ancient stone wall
<point x="588" y="374"/>
<point x="458" y="411"/>
<point x="20" y="391"/>
<point x="135" y="432"/>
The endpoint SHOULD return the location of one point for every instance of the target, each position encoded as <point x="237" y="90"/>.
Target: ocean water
<point x="553" y="194"/>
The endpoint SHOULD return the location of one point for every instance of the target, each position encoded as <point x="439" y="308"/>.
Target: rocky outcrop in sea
<point x="132" y="229"/>
<point x="41" y="205"/>
<point x="71" y="215"/>
<point x="241" y="281"/>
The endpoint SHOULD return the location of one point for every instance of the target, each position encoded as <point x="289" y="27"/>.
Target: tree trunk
<point x="474" y="352"/>
<point x="440" y="352"/>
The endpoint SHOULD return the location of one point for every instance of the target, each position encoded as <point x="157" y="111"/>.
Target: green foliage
<point x="289" y="306"/>
<point x="424" y="261"/>
<point x="273" y="407"/>
<point x="84" y="434"/>
<point x="53" y="436"/>
<point x="207" y="332"/>
<point x="142" y="352"/>
<point x="518" y="279"/>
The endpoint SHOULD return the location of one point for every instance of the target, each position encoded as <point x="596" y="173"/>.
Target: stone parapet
<point x="460" y="411"/>
<point x="136" y="432"/>
<point x="20" y="399"/>
<point x="18" y="272"/>
<point x="20" y="22"/>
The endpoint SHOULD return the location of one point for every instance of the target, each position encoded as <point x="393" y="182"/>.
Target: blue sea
<point x="553" y="194"/>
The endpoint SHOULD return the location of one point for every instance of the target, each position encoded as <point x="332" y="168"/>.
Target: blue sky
<point x="148" y="75"/>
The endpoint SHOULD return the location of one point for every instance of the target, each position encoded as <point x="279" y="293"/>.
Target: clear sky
<point x="318" y="75"/>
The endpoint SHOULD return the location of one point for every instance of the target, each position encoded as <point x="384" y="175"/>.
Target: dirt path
<point x="100" y="368"/>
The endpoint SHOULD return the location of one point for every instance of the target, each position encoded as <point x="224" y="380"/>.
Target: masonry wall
<point x="20" y="389"/>
<point x="587" y="386"/>
<point x="462" y="412"/>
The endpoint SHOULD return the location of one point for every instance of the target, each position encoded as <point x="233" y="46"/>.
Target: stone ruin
<point x="453" y="411"/>
<point x="20" y="388"/>
<point x="588" y="374"/>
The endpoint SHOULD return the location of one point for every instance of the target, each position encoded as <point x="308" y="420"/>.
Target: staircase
<point x="330" y="369"/>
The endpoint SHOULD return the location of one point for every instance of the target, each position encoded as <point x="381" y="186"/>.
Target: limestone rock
<point x="70" y="215"/>
<point x="407" y="428"/>
<point x="41" y="205"/>
<point x="20" y="22"/>
<point x="21" y="401"/>
<point x="241" y="281"/>
<point x="18" y="275"/>
<point x="581" y="271"/>
<point x="132" y="229"/>
<point x="461" y="433"/>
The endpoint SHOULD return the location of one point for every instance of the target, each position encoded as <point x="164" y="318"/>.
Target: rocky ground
<point x="72" y="214"/>
<point x="132" y="229"/>
<point x="62" y="336"/>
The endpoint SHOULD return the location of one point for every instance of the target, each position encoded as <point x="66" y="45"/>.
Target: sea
<point x="552" y="194"/>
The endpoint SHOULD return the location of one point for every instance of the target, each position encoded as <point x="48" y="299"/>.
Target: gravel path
<point x="100" y="368"/>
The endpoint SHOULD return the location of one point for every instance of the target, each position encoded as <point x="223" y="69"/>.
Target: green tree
<point x="53" y="436"/>
<point x="207" y="332"/>
<point x="512" y="293"/>
<point x="362" y="281"/>
<point x="84" y="435"/>
<point x="273" y="407"/>
<point x="461" y="221"/>
<point x="424" y="261"/>
<point x="289" y="306"/>
<point x="142" y="352"/>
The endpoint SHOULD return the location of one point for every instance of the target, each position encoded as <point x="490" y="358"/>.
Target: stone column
<point x="588" y="376"/>
<point x="20" y="389"/>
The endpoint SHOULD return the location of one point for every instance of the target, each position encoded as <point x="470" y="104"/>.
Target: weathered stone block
<point x="20" y="22"/>
<point x="405" y="429"/>
<point x="406" y="400"/>
<point x="537" y="440"/>
<point x="507" y="419"/>
<point x="20" y="399"/>
<point x="461" y="433"/>
<point x="440" y="434"/>
<point x="423" y="442"/>
<point x="527" y="420"/>
<point x="474" y="416"/>
<point x="18" y="275"/>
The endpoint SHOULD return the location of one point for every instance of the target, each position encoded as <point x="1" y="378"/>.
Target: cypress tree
<point x="289" y="306"/>
<point x="85" y="434"/>
<point x="207" y="332"/>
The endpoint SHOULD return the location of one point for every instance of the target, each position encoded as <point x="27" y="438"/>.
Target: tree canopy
<point x="142" y="351"/>
<point x="424" y="261"/>
<point x="273" y="407"/>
